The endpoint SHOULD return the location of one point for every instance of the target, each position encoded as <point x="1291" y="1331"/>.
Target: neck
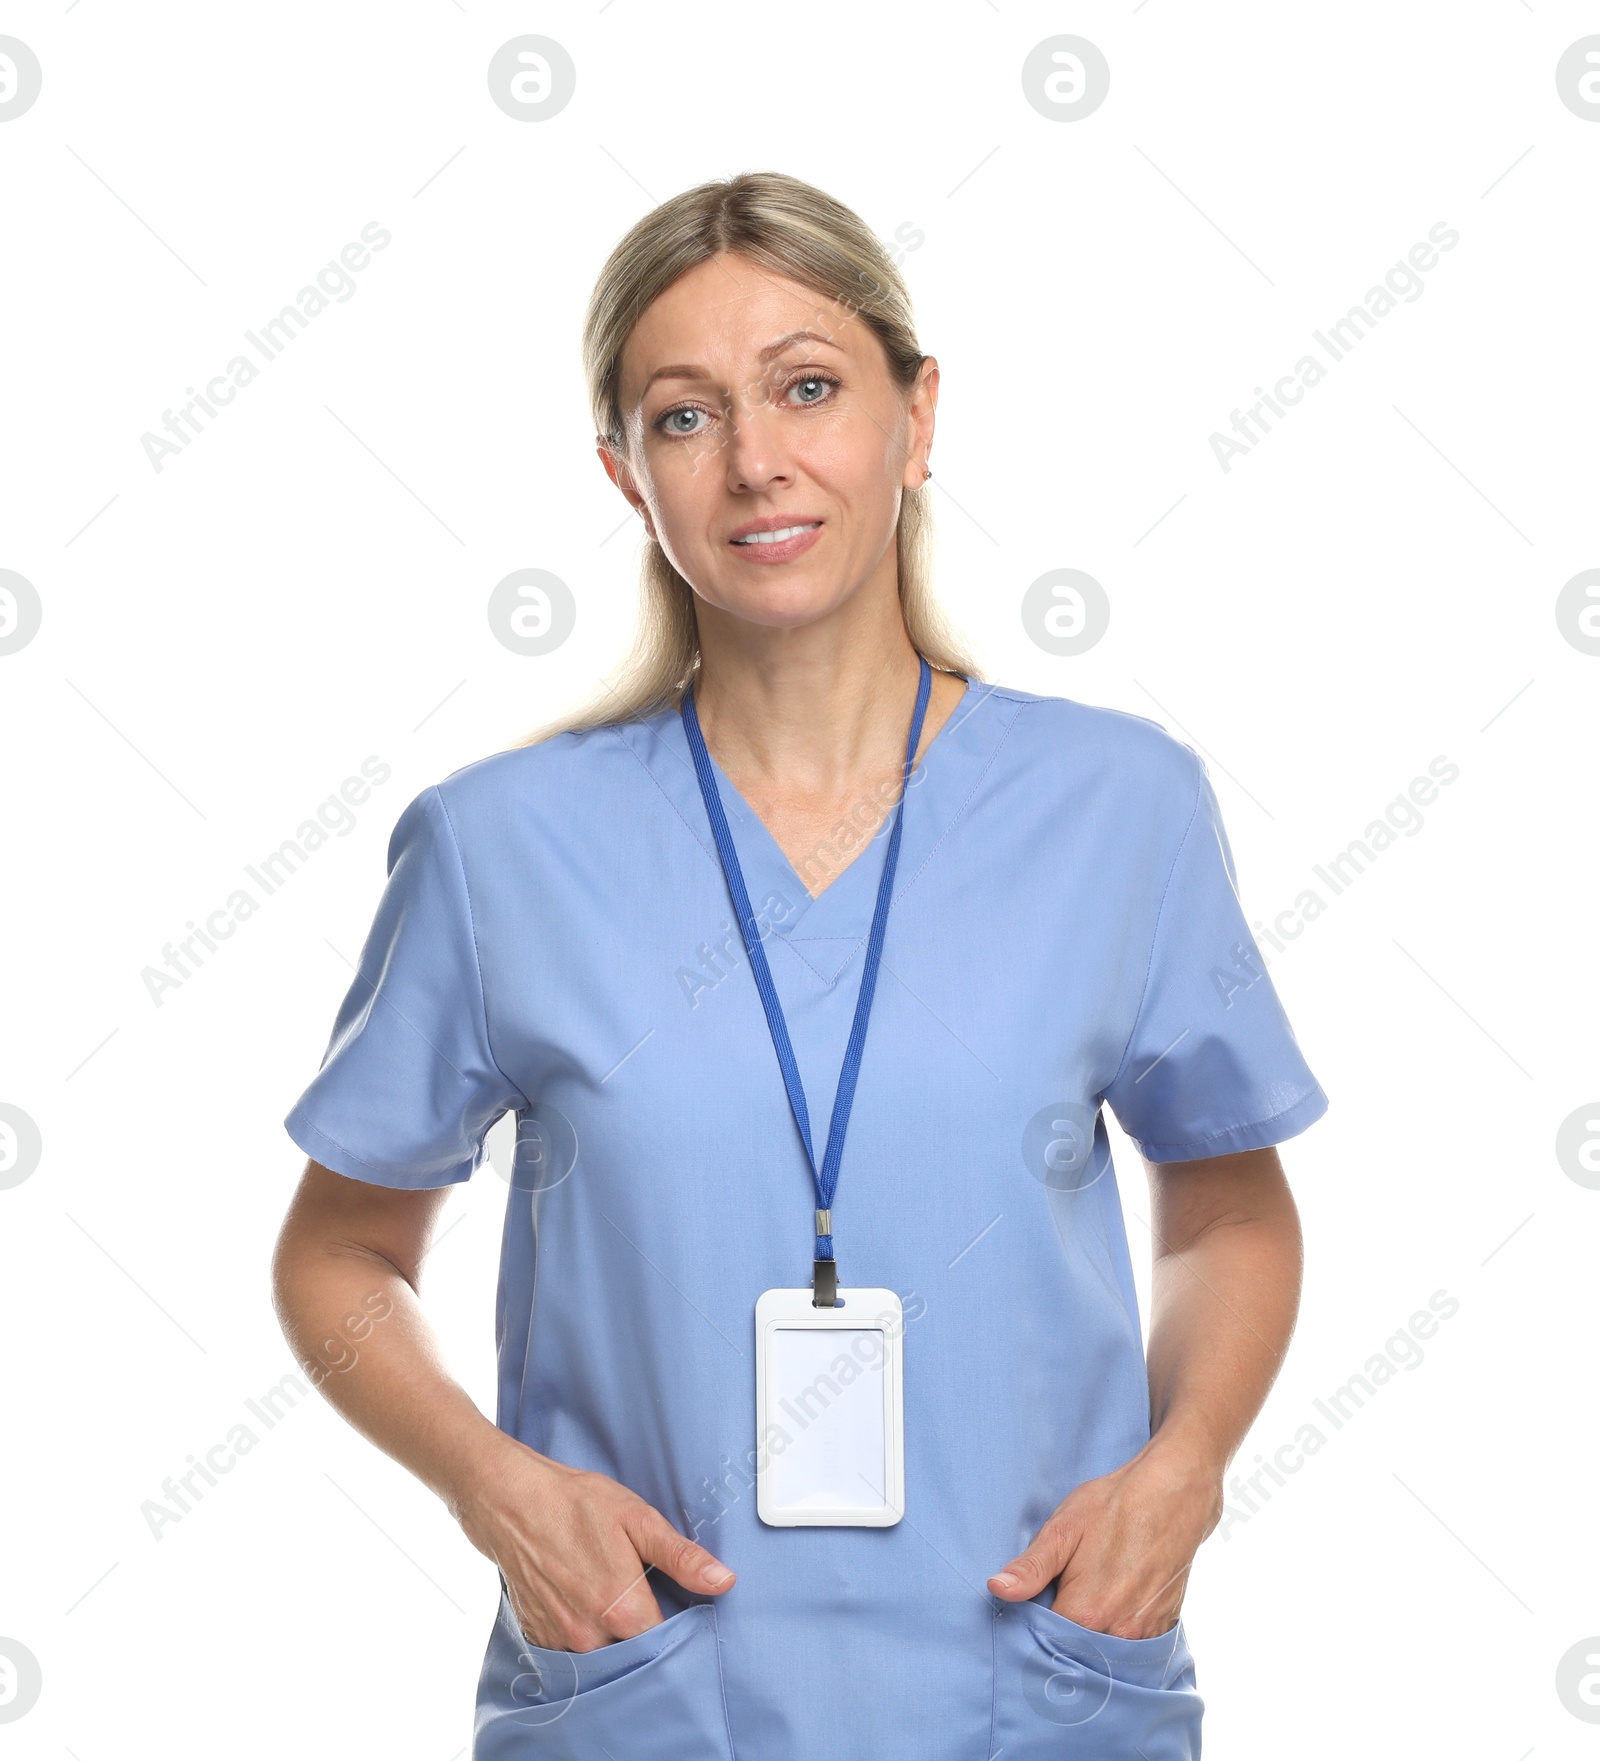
<point x="810" y="709"/>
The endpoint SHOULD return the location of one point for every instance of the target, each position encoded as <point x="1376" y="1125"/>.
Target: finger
<point x="686" y="1562"/>
<point x="633" y="1610"/>
<point x="558" y="1622"/>
<point x="521" y="1609"/>
<point x="1039" y="1563"/>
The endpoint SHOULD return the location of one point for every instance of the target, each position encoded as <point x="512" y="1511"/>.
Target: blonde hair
<point x="799" y="232"/>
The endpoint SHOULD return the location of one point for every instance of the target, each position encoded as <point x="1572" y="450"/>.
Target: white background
<point x="224" y="641"/>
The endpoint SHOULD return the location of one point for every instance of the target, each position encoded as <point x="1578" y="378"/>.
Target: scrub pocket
<point x="654" y="1697"/>
<point x="1061" y="1689"/>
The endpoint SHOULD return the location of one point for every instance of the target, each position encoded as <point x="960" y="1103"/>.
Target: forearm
<point x="1224" y="1289"/>
<point x="573" y="1547"/>
<point x="1222" y="1311"/>
<point x="358" y="1327"/>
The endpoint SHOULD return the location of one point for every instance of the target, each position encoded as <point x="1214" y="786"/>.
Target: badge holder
<point x="830" y="1410"/>
<point x="830" y="1426"/>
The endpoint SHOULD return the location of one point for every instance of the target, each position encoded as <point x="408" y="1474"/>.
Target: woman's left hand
<point x="1122" y="1545"/>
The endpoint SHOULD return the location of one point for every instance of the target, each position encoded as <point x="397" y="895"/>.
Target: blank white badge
<point x="829" y="1410"/>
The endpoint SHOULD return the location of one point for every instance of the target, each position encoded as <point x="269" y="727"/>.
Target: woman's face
<point x="750" y="404"/>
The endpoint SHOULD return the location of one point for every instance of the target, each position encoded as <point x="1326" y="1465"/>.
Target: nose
<point x="757" y="458"/>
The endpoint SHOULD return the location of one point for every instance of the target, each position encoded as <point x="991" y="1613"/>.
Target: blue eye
<point x="821" y="380"/>
<point x="681" y="423"/>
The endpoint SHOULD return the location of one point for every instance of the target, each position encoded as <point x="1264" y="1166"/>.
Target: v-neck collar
<point x="827" y="932"/>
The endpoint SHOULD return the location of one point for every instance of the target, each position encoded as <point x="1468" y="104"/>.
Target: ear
<point x="919" y="433"/>
<point x="617" y="470"/>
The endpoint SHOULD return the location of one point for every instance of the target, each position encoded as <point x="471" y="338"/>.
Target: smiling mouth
<point x="782" y="535"/>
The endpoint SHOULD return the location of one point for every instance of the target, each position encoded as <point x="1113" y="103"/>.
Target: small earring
<point x="927" y="472"/>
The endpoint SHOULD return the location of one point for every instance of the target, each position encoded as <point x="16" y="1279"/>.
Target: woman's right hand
<point x="573" y="1548"/>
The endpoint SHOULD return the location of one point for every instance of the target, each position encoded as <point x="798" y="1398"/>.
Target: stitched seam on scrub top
<point x="477" y="958"/>
<point x="901" y="891"/>
<point x="1249" y="1125"/>
<point x="966" y="803"/>
<point x="376" y="1167"/>
<point x="722" y="1686"/>
<point x="812" y="967"/>
<point x="616" y="728"/>
<point x="994" y="1676"/>
<point x="1155" y="934"/>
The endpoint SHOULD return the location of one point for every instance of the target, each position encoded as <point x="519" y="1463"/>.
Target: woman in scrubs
<point x="802" y="849"/>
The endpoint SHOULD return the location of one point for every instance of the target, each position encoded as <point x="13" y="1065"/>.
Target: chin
<point x="781" y="603"/>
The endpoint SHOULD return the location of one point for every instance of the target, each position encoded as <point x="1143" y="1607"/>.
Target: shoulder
<point x="564" y="780"/>
<point x="564" y="762"/>
<point x="1090" y="744"/>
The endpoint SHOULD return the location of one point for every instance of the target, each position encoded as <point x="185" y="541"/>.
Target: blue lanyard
<point x="825" y="1271"/>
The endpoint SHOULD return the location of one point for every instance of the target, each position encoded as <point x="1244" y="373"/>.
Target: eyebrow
<point x="773" y="348"/>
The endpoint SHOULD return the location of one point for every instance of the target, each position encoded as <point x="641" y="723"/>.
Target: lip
<point x="777" y="553"/>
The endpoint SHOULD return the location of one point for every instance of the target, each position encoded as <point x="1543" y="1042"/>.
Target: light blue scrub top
<point x="556" y="938"/>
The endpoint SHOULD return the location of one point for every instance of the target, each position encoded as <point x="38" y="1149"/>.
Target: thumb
<point x="1041" y="1562"/>
<point x="686" y="1562"/>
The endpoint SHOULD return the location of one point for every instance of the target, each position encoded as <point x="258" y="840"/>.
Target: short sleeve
<point x="408" y="1086"/>
<point x="1212" y="1066"/>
